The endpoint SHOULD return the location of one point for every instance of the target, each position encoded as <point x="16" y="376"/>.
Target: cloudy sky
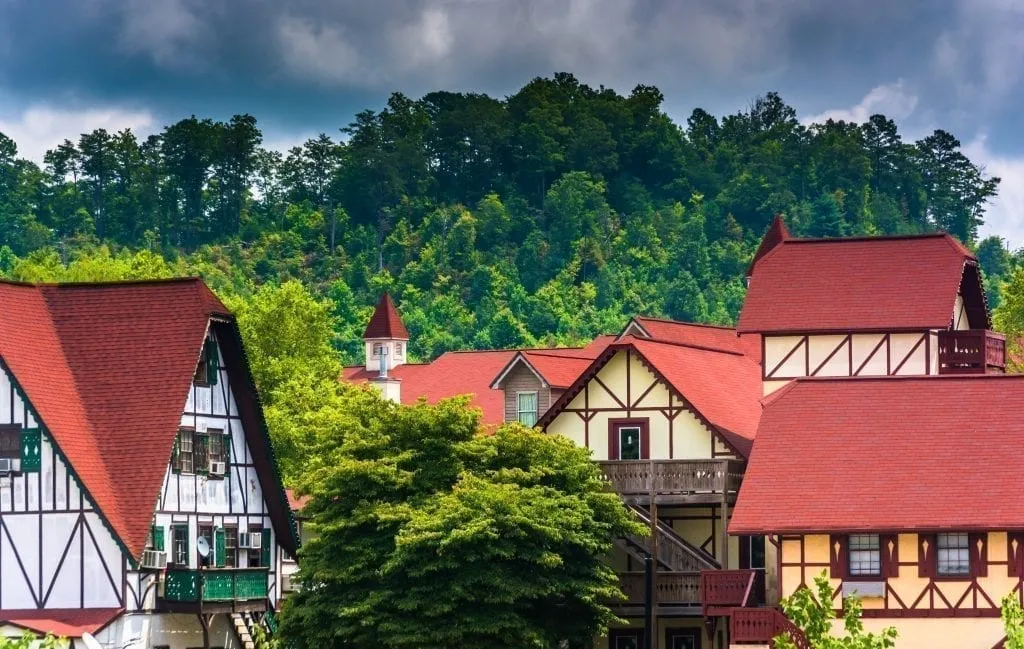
<point x="306" y="66"/>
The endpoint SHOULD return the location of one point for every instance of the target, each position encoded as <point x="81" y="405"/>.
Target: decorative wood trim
<point x="847" y="340"/>
<point x="802" y="341"/>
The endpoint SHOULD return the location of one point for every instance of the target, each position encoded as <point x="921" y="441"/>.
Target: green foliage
<point x="409" y="502"/>
<point x="812" y="613"/>
<point x="470" y="208"/>
<point x="1009" y="318"/>
<point x="1013" y="622"/>
<point x="28" y="640"/>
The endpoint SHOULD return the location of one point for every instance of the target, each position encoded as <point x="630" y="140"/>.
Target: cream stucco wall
<point x="930" y="624"/>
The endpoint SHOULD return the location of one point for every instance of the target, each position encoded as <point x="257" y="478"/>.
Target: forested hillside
<point x="545" y="217"/>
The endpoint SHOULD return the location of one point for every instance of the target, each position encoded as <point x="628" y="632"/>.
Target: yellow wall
<point x="663" y="624"/>
<point x="914" y="632"/>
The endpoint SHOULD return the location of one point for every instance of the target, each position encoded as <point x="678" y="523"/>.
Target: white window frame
<point x="398" y="349"/>
<point x="639" y="440"/>
<point x="377" y="349"/>
<point x="862" y="552"/>
<point x="535" y="411"/>
<point x="953" y="554"/>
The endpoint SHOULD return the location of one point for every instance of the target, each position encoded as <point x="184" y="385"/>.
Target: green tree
<point x="512" y="527"/>
<point x="1013" y="622"/>
<point x="812" y="613"/>
<point x="1009" y="318"/>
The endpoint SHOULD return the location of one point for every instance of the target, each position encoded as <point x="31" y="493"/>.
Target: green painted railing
<point x="218" y="585"/>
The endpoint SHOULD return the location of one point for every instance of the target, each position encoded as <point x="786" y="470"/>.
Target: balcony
<point x="676" y="593"/>
<point x="675" y="481"/>
<point x="971" y="351"/>
<point x="215" y="590"/>
<point x="723" y="590"/>
<point x="760" y="626"/>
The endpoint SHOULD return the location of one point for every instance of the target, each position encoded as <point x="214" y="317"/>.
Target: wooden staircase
<point x="674" y="553"/>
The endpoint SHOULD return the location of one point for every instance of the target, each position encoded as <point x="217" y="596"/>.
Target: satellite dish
<point x="90" y="642"/>
<point x="203" y="547"/>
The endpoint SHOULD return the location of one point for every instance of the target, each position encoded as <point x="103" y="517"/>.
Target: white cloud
<point x="41" y="127"/>
<point x="893" y="100"/>
<point x="1005" y="214"/>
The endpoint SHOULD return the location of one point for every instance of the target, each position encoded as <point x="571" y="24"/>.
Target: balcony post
<point x="723" y="557"/>
<point x="652" y="590"/>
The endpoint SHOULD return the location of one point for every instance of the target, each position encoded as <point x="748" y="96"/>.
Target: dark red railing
<point x="721" y="590"/>
<point x="971" y="351"/>
<point x="762" y="625"/>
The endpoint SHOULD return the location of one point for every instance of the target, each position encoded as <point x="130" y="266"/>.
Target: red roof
<point x="886" y="454"/>
<point x="61" y="622"/>
<point x="385" y="322"/>
<point x="296" y="502"/>
<point x="107" y="367"/>
<point x="722" y="386"/>
<point x="449" y="375"/>
<point x="701" y="335"/>
<point x="776" y="234"/>
<point x="855" y="284"/>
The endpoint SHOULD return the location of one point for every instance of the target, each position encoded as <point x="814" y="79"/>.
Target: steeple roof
<point x="776" y="234"/>
<point x="385" y="322"/>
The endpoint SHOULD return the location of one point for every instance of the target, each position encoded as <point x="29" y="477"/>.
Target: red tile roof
<point x="66" y="622"/>
<point x="385" y="322"/>
<point x="855" y="284"/>
<point x="107" y="367"/>
<point x="296" y="502"/>
<point x="701" y="335"/>
<point x="776" y="234"/>
<point x="886" y="454"/>
<point x="722" y="386"/>
<point x="449" y="375"/>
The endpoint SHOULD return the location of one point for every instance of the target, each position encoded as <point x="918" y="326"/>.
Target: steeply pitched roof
<point x="856" y="284"/>
<point x="107" y="368"/>
<point x="701" y="335"/>
<point x="723" y="387"/>
<point x="776" y="234"/>
<point x="385" y="322"/>
<point x="886" y="454"/>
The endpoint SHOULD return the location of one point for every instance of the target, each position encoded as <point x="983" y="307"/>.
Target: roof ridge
<point x="685" y="323"/>
<point x="882" y="237"/>
<point x="104" y="283"/>
<point x="629" y="340"/>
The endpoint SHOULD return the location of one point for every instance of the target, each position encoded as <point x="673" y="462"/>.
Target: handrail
<point x="971" y="351"/>
<point x="762" y="626"/>
<point x="642" y="477"/>
<point x="676" y="552"/>
<point x="726" y="588"/>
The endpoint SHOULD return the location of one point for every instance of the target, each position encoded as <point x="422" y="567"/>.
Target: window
<point x="629" y="443"/>
<point x="206" y="532"/>
<point x="254" y="555"/>
<point x="179" y="544"/>
<point x="182" y="458"/>
<point x="625" y="639"/>
<point x="865" y="556"/>
<point x="10" y="441"/>
<point x="954" y="554"/>
<point x="527" y="408"/>
<point x="230" y="546"/>
<point x="208" y="367"/>
<point x="378" y="349"/>
<point x="683" y="638"/>
<point x="215" y="445"/>
<point x="398" y="350"/>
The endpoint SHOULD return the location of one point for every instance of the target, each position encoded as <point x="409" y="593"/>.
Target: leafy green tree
<point x="812" y="613"/>
<point x="1013" y="622"/>
<point x="512" y="527"/>
<point x="1009" y="318"/>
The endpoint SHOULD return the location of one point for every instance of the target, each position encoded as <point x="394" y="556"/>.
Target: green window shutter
<point x="158" y="538"/>
<point x="265" y="549"/>
<point x="176" y="453"/>
<point x="226" y="445"/>
<point x="219" y="547"/>
<point x="31" y="450"/>
<point x="212" y="362"/>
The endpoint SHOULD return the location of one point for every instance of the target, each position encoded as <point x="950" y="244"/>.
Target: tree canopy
<point x="545" y="217"/>
<point x="428" y="534"/>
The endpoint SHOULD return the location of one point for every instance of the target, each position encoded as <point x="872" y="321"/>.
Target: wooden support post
<point x="724" y="535"/>
<point x="204" y="621"/>
<point x="653" y="594"/>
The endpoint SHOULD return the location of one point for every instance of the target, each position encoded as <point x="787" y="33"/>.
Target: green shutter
<point x="226" y="447"/>
<point x="157" y="533"/>
<point x="31" y="450"/>
<point x="212" y="362"/>
<point x="265" y="549"/>
<point x="219" y="547"/>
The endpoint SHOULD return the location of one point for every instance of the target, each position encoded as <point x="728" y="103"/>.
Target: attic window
<point x="10" y="442"/>
<point x="207" y="370"/>
<point x="378" y="349"/>
<point x="398" y="350"/>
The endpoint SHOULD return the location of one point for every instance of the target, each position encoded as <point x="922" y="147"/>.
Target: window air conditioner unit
<point x="154" y="560"/>
<point x="9" y="465"/>
<point x="216" y="468"/>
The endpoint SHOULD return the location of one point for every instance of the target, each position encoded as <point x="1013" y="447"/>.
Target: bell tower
<point x="386" y="338"/>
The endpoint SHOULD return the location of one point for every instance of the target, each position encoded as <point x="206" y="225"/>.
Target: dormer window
<point x="207" y="370"/>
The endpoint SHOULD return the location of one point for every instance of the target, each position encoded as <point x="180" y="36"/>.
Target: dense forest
<point x="542" y="218"/>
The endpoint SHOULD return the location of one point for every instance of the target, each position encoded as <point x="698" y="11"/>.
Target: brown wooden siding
<point x="521" y="379"/>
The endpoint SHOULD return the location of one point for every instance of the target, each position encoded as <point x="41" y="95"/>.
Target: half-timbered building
<point x="902" y="490"/>
<point x="139" y="497"/>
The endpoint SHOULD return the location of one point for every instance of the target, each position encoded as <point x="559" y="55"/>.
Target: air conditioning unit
<point x="216" y="468"/>
<point x="154" y="559"/>
<point x="9" y="465"/>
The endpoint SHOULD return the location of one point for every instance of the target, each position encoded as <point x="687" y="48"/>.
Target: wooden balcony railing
<point x="721" y="590"/>
<point x="671" y="588"/>
<point x="678" y="477"/>
<point x="971" y="351"/>
<point x="761" y="626"/>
